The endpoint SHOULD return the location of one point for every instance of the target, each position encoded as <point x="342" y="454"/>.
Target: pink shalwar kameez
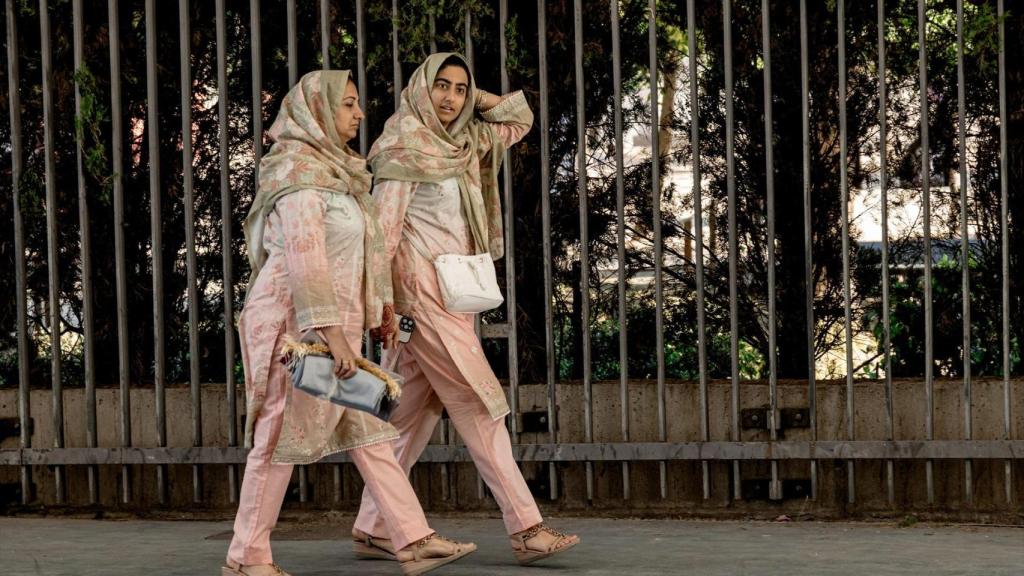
<point x="314" y="242"/>
<point x="443" y="364"/>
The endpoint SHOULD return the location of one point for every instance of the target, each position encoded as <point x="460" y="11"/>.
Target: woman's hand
<point x="387" y="332"/>
<point x="344" y="357"/>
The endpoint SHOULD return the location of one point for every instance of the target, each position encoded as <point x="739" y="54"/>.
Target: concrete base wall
<point x="684" y="478"/>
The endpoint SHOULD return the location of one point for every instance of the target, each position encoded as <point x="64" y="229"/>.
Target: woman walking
<point x="435" y="169"/>
<point x="316" y="252"/>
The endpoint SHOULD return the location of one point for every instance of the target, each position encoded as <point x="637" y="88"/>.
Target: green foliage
<point x="907" y="323"/>
<point x="89" y="130"/>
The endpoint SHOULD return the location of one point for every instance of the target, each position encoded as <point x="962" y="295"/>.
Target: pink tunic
<point x="312" y="278"/>
<point x="431" y="216"/>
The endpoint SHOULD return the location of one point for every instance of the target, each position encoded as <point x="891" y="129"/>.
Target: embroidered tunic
<point x="312" y="278"/>
<point x="432" y="216"/>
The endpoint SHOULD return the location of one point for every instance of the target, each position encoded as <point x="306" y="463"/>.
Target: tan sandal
<point x="423" y="556"/>
<point x="253" y="570"/>
<point x="526" y="555"/>
<point x="369" y="547"/>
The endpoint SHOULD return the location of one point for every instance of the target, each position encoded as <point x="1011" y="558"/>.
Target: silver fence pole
<point x="21" y="294"/>
<point x="1005" y="227"/>
<point x="808" y="238"/>
<point x="545" y="199"/>
<point x="226" y="250"/>
<point x="396" y="59"/>
<point x="698" y="224"/>
<point x="256" y="46"/>
<point x="883" y="144"/>
<point x="581" y="187"/>
<point x="156" y="229"/>
<point x="325" y="34"/>
<point x="120" y="267"/>
<point x="510" y="243"/>
<point x="432" y="31"/>
<point x="185" y="29"/>
<point x="659" y="288"/>
<point x="965" y="252"/>
<point x="730" y="179"/>
<point x="844" y="202"/>
<point x="620" y="214"/>
<point x="293" y="43"/>
<point x="53" y="252"/>
<point x="775" y="489"/>
<point x="469" y="38"/>
<point x="922" y="23"/>
<point x="88" y="320"/>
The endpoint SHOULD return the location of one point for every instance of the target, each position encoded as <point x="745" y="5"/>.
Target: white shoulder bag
<point x="469" y="284"/>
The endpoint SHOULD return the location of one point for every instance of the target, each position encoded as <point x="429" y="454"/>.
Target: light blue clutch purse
<point x="372" y="389"/>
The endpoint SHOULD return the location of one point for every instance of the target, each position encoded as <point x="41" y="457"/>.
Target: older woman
<point x="435" y="169"/>
<point x="316" y="253"/>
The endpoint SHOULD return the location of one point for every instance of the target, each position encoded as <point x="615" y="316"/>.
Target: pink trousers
<point x="432" y="383"/>
<point x="265" y="484"/>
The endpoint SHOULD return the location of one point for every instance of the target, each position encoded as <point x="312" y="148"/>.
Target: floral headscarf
<point x="416" y="147"/>
<point x="309" y="154"/>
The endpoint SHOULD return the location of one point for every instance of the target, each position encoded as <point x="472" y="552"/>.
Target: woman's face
<point x="348" y="115"/>
<point x="448" y="94"/>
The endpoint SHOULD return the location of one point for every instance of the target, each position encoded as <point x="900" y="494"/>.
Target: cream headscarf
<point x="309" y="154"/>
<point x="416" y="147"/>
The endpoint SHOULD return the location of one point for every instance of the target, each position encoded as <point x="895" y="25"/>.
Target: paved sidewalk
<point x="32" y="547"/>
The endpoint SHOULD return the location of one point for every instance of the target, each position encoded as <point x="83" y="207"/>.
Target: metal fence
<point x="705" y="451"/>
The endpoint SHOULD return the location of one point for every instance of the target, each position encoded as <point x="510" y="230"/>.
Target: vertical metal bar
<point x="185" y="31"/>
<point x="120" y="268"/>
<point x="226" y="249"/>
<point x="325" y="34"/>
<point x="1005" y="227"/>
<point x="775" y="489"/>
<point x="730" y="180"/>
<point x="156" y="229"/>
<point x="444" y="424"/>
<point x="52" y="260"/>
<point x="303" y="483"/>
<point x="808" y="237"/>
<point x="620" y="214"/>
<point x="293" y="44"/>
<point x="545" y="203"/>
<point x="581" y="188"/>
<point x="432" y="26"/>
<point x="86" y="265"/>
<point x="370" y="350"/>
<point x="510" y="242"/>
<point x="964" y="247"/>
<point x="446" y="492"/>
<point x="659" y="296"/>
<point x="844" y="202"/>
<point x="883" y="144"/>
<point x="469" y="38"/>
<point x="257" y="87"/>
<point x="21" y="294"/>
<point x="293" y="67"/>
<point x="338" y="481"/>
<point x="922" y="22"/>
<point x="396" y="57"/>
<point x="364" y="142"/>
<point x="469" y="59"/>
<point x="698" y="219"/>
